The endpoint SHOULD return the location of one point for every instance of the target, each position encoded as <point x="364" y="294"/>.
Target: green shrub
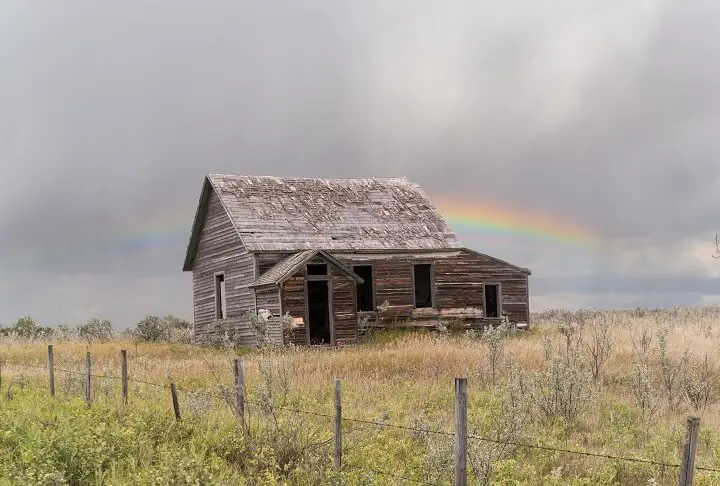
<point x="26" y="328"/>
<point x="168" y="329"/>
<point x="95" y="330"/>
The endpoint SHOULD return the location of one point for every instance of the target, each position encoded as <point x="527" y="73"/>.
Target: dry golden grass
<point x="412" y="374"/>
<point x="424" y="360"/>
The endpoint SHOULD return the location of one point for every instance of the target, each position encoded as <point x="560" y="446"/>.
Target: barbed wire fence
<point x="239" y="403"/>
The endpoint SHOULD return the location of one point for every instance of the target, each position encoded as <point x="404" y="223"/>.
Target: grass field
<point x="538" y="388"/>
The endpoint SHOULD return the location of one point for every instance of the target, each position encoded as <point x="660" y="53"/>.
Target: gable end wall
<point x="459" y="283"/>
<point x="221" y="250"/>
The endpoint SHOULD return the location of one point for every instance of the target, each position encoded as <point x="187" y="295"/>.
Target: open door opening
<point x="492" y="300"/>
<point x="318" y="303"/>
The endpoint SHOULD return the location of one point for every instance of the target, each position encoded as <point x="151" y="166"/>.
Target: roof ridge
<point x="305" y="178"/>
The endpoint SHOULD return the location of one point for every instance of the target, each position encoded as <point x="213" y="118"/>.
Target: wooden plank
<point x="51" y="370"/>
<point x="269" y="300"/>
<point x="527" y="301"/>
<point x="123" y="376"/>
<point x="88" y="397"/>
<point x="337" y="456"/>
<point x="461" y="431"/>
<point x="240" y="389"/>
<point x="344" y="308"/>
<point x="688" y="460"/>
<point x="293" y="299"/>
<point x="175" y="403"/>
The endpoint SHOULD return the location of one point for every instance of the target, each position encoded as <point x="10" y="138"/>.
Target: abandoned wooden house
<point x="330" y="253"/>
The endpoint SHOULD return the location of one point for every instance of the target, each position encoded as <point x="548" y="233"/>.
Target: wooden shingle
<point x="294" y="214"/>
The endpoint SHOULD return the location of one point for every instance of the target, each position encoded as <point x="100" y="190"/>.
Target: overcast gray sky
<point x="604" y="115"/>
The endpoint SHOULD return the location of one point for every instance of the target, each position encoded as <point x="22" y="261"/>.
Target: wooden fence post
<point x="176" y="405"/>
<point x="240" y="389"/>
<point x="338" y="427"/>
<point x="51" y="370"/>
<point x="88" y="397"/>
<point x="688" y="460"/>
<point x="124" y="376"/>
<point x="461" y="431"/>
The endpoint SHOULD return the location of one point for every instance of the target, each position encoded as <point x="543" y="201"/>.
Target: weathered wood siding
<point x="394" y="284"/>
<point x="459" y="282"/>
<point x="457" y="286"/>
<point x="269" y="300"/>
<point x="344" y="304"/>
<point x="265" y="261"/>
<point x="221" y="250"/>
<point x="458" y="289"/>
<point x="293" y="301"/>
<point x="393" y="276"/>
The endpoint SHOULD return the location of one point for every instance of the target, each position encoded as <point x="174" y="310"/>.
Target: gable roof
<point x="524" y="270"/>
<point x="289" y="266"/>
<point x="295" y="214"/>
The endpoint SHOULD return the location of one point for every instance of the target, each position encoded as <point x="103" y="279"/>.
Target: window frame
<point x="220" y="297"/>
<point x="373" y="305"/>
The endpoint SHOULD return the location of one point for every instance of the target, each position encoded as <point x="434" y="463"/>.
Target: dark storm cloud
<point x="649" y="300"/>
<point x="602" y="114"/>
<point x="637" y="157"/>
<point x="609" y="284"/>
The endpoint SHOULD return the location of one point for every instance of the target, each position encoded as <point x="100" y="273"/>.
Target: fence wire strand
<point x="224" y="396"/>
<point x="498" y="441"/>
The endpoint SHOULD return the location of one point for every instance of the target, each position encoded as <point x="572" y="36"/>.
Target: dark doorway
<point x="318" y="304"/>
<point x="492" y="300"/>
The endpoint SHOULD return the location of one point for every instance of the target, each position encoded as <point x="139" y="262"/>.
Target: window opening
<point x="317" y="269"/>
<point x="492" y="300"/>
<point x="365" y="293"/>
<point x="220" y="301"/>
<point x="423" y="285"/>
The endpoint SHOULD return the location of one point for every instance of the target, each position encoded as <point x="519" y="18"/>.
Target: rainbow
<point x="496" y="222"/>
<point x="154" y="229"/>
<point x="493" y="225"/>
<point x="153" y="233"/>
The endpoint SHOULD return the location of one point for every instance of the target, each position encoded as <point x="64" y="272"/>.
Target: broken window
<point x="423" y="285"/>
<point x="492" y="300"/>
<point x="365" y="293"/>
<point x="317" y="269"/>
<point x="220" y="303"/>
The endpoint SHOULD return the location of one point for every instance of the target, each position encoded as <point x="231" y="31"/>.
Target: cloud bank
<point x="603" y="115"/>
